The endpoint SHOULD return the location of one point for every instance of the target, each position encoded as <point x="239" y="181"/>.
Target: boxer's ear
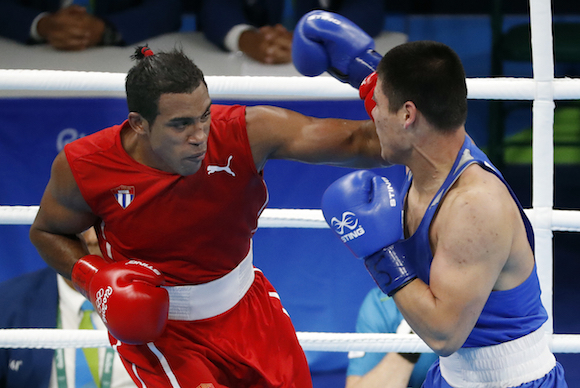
<point x="138" y="123"/>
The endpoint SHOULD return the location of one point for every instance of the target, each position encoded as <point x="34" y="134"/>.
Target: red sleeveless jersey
<point x="193" y="228"/>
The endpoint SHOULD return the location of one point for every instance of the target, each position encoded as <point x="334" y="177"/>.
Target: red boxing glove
<point x="127" y="295"/>
<point x="366" y="91"/>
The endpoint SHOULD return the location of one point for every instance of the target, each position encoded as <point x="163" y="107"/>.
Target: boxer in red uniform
<point x="175" y="193"/>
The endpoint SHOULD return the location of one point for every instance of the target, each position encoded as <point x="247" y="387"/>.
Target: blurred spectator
<point x="43" y="299"/>
<point x="379" y="314"/>
<point x="256" y="27"/>
<point x="68" y="25"/>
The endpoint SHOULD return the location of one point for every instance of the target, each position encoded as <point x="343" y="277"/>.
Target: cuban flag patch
<point x="124" y="195"/>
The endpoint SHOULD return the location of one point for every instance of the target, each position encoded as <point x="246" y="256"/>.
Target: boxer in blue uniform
<point x="453" y="246"/>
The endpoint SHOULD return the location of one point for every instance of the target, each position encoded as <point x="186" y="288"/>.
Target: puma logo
<point x="226" y="168"/>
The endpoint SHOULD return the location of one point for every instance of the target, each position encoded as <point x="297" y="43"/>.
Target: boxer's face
<point x="389" y="125"/>
<point x="178" y="136"/>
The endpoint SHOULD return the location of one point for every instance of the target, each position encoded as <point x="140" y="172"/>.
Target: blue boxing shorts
<point x="526" y="362"/>
<point x="554" y="378"/>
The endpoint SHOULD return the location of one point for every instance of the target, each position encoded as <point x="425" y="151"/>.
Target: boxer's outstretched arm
<point x="276" y="133"/>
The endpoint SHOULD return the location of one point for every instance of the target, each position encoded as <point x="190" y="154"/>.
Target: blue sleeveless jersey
<point x="507" y="315"/>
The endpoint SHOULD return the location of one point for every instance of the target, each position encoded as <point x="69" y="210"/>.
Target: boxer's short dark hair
<point x="429" y="74"/>
<point x="157" y="74"/>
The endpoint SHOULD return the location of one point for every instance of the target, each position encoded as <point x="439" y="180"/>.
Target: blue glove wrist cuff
<point x="359" y="68"/>
<point x="390" y="269"/>
<point x="362" y="66"/>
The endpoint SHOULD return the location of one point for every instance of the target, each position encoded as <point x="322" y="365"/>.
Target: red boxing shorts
<point x="252" y="345"/>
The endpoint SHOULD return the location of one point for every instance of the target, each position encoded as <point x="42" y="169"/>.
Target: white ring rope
<point x="327" y="342"/>
<point x="543" y="89"/>
<point x="256" y="87"/>
<point x="562" y="220"/>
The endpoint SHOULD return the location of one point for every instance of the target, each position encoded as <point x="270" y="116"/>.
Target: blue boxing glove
<point x="365" y="211"/>
<point x="326" y="41"/>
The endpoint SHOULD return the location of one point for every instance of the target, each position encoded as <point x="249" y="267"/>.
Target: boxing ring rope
<point x="327" y="342"/>
<point x="260" y="87"/>
<point x="542" y="89"/>
<point x="562" y="220"/>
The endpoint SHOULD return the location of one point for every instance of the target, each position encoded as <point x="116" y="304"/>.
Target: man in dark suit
<point x="36" y="292"/>
<point x="70" y="26"/>
<point x="32" y="301"/>
<point x="255" y="28"/>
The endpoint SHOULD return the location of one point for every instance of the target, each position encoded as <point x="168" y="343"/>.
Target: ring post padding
<point x="543" y="145"/>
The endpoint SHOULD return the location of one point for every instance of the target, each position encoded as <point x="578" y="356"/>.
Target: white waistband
<point x="201" y="301"/>
<point x="509" y="364"/>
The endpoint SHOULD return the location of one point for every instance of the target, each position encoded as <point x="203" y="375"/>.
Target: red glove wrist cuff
<point x="366" y="92"/>
<point x="368" y="85"/>
<point x="84" y="270"/>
